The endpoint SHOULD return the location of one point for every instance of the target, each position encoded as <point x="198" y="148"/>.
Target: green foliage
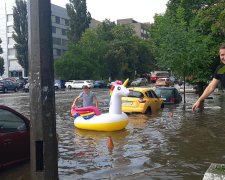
<point x="109" y="50"/>
<point x="1" y="51"/>
<point x="2" y="69"/>
<point x="184" y="38"/>
<point x="79" y="19"/>
<point x="21" y="34"/>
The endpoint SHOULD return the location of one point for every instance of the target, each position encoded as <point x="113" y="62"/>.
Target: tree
<point x="21" y="34"/>
<point x="79" y="19"/>
<point x="2" y="69"/>
<point x="109" y="50"/>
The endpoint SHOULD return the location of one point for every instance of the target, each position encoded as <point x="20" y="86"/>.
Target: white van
<point x="78" y="84"/>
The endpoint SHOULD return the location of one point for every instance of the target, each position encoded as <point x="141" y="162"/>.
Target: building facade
<point x="139" y="28"/>
<point x="60" y="24"/>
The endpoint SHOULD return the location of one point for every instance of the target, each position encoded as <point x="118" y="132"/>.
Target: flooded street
<point x="172" y="144"/>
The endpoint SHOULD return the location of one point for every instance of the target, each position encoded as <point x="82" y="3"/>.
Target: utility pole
<point x="44" y="149"/>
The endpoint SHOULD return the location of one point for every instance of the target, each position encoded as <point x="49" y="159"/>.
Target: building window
<point x="11" y="41"/>
<point x="10" y="29"/>
<point x="56" y="41"/>
<point x="53" y="19"/>
<point x="12" y="52"/>
<point x="66" y="22"/>
<point x="15" y="73"/>
<point x="64" y="32"/>
<point x="58" y="52"/>
<point x="57" y="19"/>
<point x="64" y="42"/>
<point x="58" y="31"/>
<point x="53" y="29"/>
<point x="9" y="18"/>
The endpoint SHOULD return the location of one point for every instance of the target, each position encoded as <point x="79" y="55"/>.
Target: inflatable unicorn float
<point x="90" y="118"/>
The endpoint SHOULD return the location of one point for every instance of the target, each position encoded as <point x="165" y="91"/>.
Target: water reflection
<point x="171" y="144"/>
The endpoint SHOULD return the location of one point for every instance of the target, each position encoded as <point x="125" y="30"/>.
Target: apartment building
<point x="60" y="24"/>
<point x="139" y="28"/>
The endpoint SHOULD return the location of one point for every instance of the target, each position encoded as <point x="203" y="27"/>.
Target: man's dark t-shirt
<point x="220" y="74"/>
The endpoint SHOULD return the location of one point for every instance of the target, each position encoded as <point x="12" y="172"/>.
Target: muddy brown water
<point x="174" y="143"/>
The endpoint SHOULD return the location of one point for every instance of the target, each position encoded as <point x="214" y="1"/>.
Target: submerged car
<point x="141" y="100"/>
<point x="14" y="137"/>
<point x="100" y="84"/>
<point x="8" y="85"/>
<point x="170" y="95"/>
<point x="139" y="82"/>
<point x="164" y="82"/>
<point x="59" y="84"/>
<point x="79" y="84"/>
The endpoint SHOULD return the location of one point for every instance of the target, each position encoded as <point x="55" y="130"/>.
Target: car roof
<point x="165" y="88"/>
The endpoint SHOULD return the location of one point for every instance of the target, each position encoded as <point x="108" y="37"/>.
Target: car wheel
<point x="148" y="110"/>
<point x="69" y="87"/>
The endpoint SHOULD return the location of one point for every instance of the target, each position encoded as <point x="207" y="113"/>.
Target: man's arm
<point x="209" y="89"/>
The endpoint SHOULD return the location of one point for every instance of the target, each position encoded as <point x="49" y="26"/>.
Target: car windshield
<point x="135" y="94"/>
<point x="164" y="92"/>
<point x="89" y="81"/>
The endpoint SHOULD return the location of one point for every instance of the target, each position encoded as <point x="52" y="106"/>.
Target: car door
<point x="155" y="101"/>
<point x="14" y="137"/>
<point x="80" y="84"/>
<point x="75" y="84"/>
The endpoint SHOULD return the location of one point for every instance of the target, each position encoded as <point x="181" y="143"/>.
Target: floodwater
<point x="173" y="144"/>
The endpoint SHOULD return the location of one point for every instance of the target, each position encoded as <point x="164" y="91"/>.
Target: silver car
<point x="139" y="82"/>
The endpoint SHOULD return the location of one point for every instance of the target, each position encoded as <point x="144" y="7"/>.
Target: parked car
<point x="176" y="80"/>
<point x="59" y="84"/>
<point x="170" y="95"/>
<point x="100" y="84"/>
<point x="14" y="137"/>
<point x="78" y="84"/>
<point x="139" y="82"/>
<point x="164" y="82"/>
<point x="141" y="100"/>
<point x="189" y="88"/>
<point x="158" y="74"/>
<point x="21" y="82"/>
<point x="8" y="85"/>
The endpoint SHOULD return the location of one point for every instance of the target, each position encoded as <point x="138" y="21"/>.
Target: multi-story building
<point x="60" y="24"/>
<point x="139" y="28"/>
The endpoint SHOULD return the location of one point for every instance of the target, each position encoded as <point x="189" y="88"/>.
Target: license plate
<point x="127" y="102"/>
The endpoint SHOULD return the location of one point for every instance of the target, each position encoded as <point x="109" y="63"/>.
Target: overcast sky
<point x="139" y="10"/>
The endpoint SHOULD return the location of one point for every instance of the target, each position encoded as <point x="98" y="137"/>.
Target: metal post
<point x="44" y="150"/>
